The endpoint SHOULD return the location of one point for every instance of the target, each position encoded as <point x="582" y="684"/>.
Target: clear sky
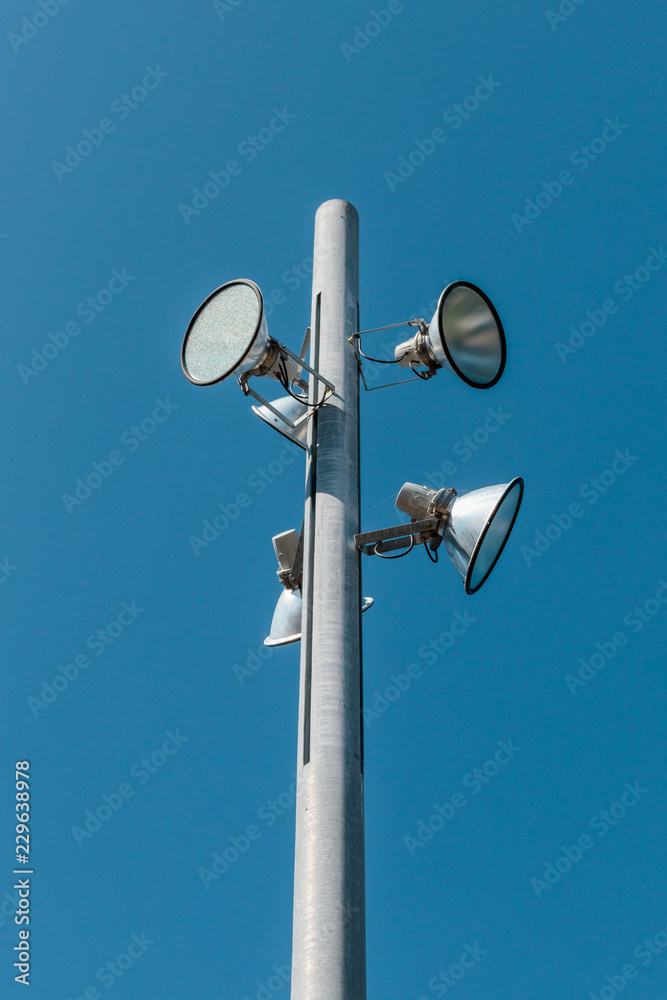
<point x="519" y="149"/>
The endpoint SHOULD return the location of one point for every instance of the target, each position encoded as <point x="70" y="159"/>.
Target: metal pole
<point x="329" y="943"/>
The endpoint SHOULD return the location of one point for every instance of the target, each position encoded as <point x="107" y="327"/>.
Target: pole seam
<point x="308" y="638"/>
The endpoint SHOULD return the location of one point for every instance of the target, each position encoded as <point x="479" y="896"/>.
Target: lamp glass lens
<point x="496" y="535"/>
<point x="472" y="335"/>
<point x="222" y="333"/>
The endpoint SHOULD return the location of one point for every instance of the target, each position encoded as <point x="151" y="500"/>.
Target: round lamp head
<point x="477" y="530"/>
<point x="227" y="335"/>
<point x="467" y="336"/>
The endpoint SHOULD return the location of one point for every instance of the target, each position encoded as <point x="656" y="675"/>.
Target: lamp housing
<point x="228" y="335"/>
<point x="288" y="416"/>
<point x="474" y="526"/>
<point x="465" y="336"/>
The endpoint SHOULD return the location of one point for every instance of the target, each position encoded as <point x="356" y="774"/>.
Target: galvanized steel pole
<point x="329" y="943"/>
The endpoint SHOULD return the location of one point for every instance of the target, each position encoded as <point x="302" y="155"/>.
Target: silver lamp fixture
<point x="286" y="621"/>
<point x="228" y="335"/>
<point x="287" y="416"/>
<point x="474" y="526"/>
<point x="465" y="336"/>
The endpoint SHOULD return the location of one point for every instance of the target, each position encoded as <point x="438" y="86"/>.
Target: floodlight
<point x="465" y="336"/>
<point x="228" y="336"/>
<point x="474" y="527"/>
<point x="286" y="621"/>
<point x="287" y="415"/>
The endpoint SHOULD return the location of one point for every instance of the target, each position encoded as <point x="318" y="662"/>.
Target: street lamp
<point x="319" y="567"/>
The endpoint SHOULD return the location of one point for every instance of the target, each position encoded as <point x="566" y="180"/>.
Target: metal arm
<point x="397" y="537"/>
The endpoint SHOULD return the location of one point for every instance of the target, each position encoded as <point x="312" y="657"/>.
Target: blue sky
<point x="543" y="184"/>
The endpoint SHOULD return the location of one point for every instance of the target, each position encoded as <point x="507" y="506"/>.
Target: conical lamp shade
<point x="478" y="527"/>
<point x="286" y="623"/>
<point x="466" y="335"/>
<point x="292" y="409"/>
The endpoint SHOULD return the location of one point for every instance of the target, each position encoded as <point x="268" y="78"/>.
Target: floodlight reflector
<point x="465" y="336"/>
<point x="293" y="410"/>
<point x="477" y="528"/>
<point x="474" y="527"/>
<point x="286" y="622"/>
<point x="227" y="335"/>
